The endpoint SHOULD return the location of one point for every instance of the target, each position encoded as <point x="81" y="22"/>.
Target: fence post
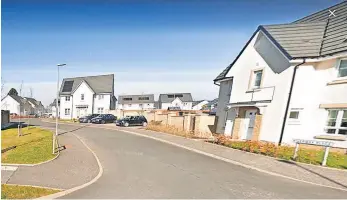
<point x="326" y="153"/>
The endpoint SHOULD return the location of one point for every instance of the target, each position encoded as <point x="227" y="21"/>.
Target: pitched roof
<point x="99" y="84"/>
<point x="33" y="101"/>
<point x="19" y="99"/>
<point x="122" y="99"/>
<point x="213" y="102"/>
<point x="197" y="102"/>
<point x="167" y="98"/>
<point x="298" y="40"/>
<point x="54" y="103"/>
<point x="335" y="37"/>
<point x="319" y="34"/>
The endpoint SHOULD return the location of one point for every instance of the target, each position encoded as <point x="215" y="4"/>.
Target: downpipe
<point x="288" y="102"/>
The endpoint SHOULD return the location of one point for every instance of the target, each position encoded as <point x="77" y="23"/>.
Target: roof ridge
<point x="134" y="94"/>
<point x="293" y="24"/>
<point x="177" y="93"/>
<point x="297" y="21"/>
<point x="89" y="76"/>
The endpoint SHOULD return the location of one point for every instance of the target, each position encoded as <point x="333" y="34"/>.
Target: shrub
<point x="156" y="126"/>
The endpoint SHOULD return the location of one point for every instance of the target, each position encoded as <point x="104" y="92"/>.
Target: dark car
<point x="88" y="118"/>
<point x="132" y="120"/>
<point x="104" y="118"/>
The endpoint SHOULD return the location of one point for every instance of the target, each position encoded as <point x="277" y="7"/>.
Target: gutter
<point x="288" y="101"/>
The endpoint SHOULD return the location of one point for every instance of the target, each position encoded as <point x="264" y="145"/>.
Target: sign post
<point x="326" y="153"/>
<point x="296" y="151"/>
<point x="325" y="144"/>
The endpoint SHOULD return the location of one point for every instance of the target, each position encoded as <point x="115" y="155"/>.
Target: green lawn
<point x="24" y="192"/>
<point x="33" y="147"/>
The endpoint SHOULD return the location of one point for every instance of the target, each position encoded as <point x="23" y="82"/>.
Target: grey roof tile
<point x="319" y="34"/>
<point x="299" y="40"/>
<point x="99" y="84"/>
<point x="19" y="99"/>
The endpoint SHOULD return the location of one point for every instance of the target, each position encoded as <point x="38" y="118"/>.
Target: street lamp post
<point x="56" y="110"/>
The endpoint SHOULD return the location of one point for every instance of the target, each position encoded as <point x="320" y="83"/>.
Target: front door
<point x="250" y="115"/>
<point x="81" y="112"/>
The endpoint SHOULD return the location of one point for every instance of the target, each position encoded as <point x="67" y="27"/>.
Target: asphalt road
<point x="137" y="167"/>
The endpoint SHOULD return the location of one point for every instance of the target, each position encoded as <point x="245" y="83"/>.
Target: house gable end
<point x="79" y="86"/>
<point x="273" y="56"/>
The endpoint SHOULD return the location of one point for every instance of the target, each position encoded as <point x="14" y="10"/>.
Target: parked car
<point x="104" y="118"/>
<point x="88" y="118"/>
<point x="132" y="120"/>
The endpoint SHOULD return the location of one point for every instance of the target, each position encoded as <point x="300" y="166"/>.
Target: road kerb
<point x="215" y="156"/>
<point x="68" y="191"/>
<point x="228" y="160"/>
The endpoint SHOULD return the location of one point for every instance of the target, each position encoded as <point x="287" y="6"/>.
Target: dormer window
<point x="342" y="68"/>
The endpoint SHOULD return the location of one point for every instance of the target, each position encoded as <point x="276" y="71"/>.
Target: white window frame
<point x="255" y="76"/>
<point x="100" y="96"/>
<point x="67" y="111"/>
<point x="67" y="98"/>
<point x="101" y="110"/>
<point x="338" y="122"/>
<point x="82" y="97"/>
<point x="338" y="68"/>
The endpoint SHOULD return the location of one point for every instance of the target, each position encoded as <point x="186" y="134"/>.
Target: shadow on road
<point x="73" y="130"/>
<point x="313" y="172"/>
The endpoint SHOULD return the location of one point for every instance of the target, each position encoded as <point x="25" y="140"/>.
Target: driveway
<point x="138" y="167"/>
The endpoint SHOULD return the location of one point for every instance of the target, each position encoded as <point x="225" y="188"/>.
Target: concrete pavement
<point x="75" y="166"/>
<point x="137" y="167"/>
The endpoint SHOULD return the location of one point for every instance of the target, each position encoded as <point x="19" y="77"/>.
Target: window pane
<point x="330" y="131"/>
<point x="331" y="122"/>
<point x="332" y="113"/>
<point x="344" y="123"/>
<point x="294" y="115"/>
<point x="343" y="132"/>
<point x="258" y="75"/>
<point x="343" y="68"/>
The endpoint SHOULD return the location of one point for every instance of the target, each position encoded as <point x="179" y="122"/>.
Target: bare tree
<point x="31" y="92"/>
<point x="31" y="96"/>
<point x="2" y="87"/>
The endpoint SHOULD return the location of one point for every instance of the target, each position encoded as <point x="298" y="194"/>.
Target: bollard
<point x="326" y="153"/>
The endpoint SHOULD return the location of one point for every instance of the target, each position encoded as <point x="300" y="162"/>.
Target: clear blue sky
<point x="152" y="47"/>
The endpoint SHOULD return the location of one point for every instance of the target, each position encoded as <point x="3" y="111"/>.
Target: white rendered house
<point x="199" y="105"/>
<point x="283" y="86"/>
<point x="136" y="102"/>
<point x="81" y="96"/>
<point x="16" y="104"/>
<point x="184" y="101"/>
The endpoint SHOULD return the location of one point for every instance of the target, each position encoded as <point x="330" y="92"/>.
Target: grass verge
<point x="34" y="146"/>
<point x="310" y="156"/>
<point x="24" y="192"/>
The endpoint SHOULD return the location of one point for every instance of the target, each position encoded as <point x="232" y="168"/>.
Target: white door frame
<point x="249" y="123"/>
